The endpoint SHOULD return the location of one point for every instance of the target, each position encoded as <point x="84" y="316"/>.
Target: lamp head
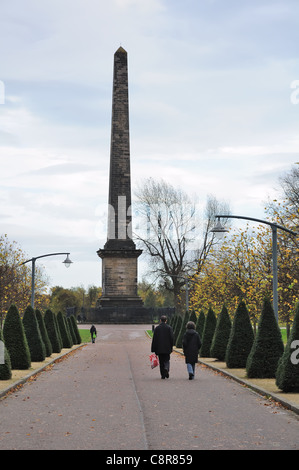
<point x="67" y="262"/>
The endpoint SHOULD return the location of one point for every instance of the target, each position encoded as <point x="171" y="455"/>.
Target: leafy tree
<point x="5" y="369"/>
<point x="44" y="333"/>
<point x="50" y="324"/>
<point x="169" y="230"/>
<point x="15" y="280"/>
<point x="33" y="335"/>
<point x="221" y="335"/>
<point x="208" y="333"/>
<point x="287" y="374"/>
<point x="65" y="335"/>
<point x="15" y="340"/>
<point x="240" y="339"/>
<point x="267" y="346"/>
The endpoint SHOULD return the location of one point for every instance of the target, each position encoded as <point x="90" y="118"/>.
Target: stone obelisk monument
<point x="119" y="256"/>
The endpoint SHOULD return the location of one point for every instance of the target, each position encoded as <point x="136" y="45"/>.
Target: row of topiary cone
<point x="34" y="338"/>
<point x="263" y="355"/>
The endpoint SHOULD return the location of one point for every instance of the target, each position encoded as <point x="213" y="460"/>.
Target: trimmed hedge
<point x="267" y="346"/>
<point x="221" y="335"/>
<point x="36" y="345"/>
<point x="5" y="369"/>
<point x="240" y="339"/>
<point x="50" y="323"/>
<point x="200" y="324"/>
<point x="287" y="374"/>
<point x="15" y="340"/>
<point x="179" y="340"/>
<point x="208" y="333"/>
<point x="76" y="329"/>
<point x="44" y="333"/>
<point x="64" y="332"/>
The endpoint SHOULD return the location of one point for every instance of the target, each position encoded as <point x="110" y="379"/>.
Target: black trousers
<point x="164" y="360"/>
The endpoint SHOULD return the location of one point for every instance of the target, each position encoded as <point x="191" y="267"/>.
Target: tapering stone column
<point x="119" y="256"/>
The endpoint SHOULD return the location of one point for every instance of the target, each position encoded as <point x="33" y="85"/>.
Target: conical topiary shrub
<point x="267" y="346"/>
<point x="65" y="336"/>
<point x="177" y="330"/>
<point x="71" y="329"/>
<point x="193" y="316"/>
<point x="179" y="340"/>
<point x="15" y="340"/>
<point x="240" y="339"/>
<point x="76" y="329"/>
<point x="221" y="335"/>
<point x="208" y="333"/>
<point x="36" y="345"/>
<point x="200" y="324"/>
<point x="44" y="333"/>
<point x="5" y="365"/>
<point x="52" y="331"/>
<point x="287" y="374"/>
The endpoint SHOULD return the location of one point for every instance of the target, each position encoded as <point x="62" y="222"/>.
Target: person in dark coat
<point x="162" y="344"/>
<point x="191" y="347"/>
<point x="93" y="333"/>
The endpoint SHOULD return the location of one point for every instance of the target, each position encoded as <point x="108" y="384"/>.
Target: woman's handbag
<point x="154" y="360"/>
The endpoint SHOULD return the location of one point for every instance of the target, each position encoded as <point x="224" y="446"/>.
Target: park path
<point x="106" y="396"/>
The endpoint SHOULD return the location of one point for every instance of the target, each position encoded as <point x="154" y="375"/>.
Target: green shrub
<point x="71" y="329"/>
<point x="208" y="333"/>
<point x="5" y="369"/>
<point x="15" y="340"/>
<point x="200" y="323"/>
<point x="177" y="330"/>
<point x="76" y="329"/>
<point x="44" y="333"/>
<point x="65" y="335"/>
<point x="267" y="346"/>
<point x="34" y="339"/>
<point x="50" y="324"/>
<point x="221" y="335"/>
<point x="240" y="339"/>
<point x="287" y="374"/>
<point x="179" y="340"/>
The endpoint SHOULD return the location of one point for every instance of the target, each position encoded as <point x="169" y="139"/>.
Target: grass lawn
<point x="85" y="335"/>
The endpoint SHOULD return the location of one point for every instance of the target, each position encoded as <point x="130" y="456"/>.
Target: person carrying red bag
<point x="162" y="345"/>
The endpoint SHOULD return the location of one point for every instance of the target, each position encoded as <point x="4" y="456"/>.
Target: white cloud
<point x="210" y="110"/>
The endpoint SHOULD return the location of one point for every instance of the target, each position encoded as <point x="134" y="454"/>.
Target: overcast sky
<point x="212" y="110"/>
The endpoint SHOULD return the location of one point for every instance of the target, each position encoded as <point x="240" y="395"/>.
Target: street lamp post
<point x="220" y="230"/>
<point x="67" y="262"/>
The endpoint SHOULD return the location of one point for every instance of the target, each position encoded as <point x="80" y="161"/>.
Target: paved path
<point x="106" y="396"/>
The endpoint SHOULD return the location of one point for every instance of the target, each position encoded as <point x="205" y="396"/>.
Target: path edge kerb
<point x="37" y="371"/>
<point x="259" y="390"/>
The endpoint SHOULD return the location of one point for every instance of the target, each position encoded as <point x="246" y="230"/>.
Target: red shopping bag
<point x="154" y="360"/>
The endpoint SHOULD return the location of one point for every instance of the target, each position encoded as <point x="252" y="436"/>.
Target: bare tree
<point x="171" y="232"/>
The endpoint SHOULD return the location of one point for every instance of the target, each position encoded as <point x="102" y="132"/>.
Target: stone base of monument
<point x="128" y="314"/>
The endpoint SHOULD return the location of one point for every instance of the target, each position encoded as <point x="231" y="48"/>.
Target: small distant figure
<point x="162" y="344"/>
<point x="191" y="347"/>
<point x="93" y="333"/>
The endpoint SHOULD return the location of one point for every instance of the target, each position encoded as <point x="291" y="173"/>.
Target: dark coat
<point x="191" y="346"/>
<point x="162" y="342"/>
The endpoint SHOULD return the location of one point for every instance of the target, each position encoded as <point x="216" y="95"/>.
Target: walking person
<point x="162" y="344"/>
<point x="93" y="333"/>
<point x="191" y="347"/>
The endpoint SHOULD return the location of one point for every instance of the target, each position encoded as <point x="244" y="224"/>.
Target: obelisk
<point x="119" y="256"/>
